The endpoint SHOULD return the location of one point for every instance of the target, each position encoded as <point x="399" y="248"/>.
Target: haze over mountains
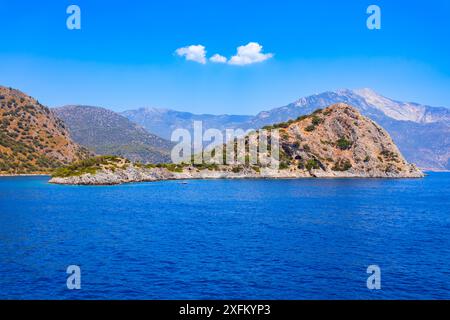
<point x="164" y="121"/>
<point x="422" y="132"/>
<point x="106" y="132"/>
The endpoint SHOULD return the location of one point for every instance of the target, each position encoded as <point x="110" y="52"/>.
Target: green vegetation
<point x="312" y="164"/>
<point x="90" y="165"/>
<point x="237" y="169"/>
<point x="23" y="157"/>
<point x="207" y="166"/>
<point x="281" y="125"/>
<point x="389" y="155"/>
<point x="283" y="165"/>
<point x="316" y="120"/>
<point x="172" y="167"/>
<point x="343" y="144"/>
<point x="342" y="165"/>
<point x="326" y="112"/>
<point x="302" y="118"/>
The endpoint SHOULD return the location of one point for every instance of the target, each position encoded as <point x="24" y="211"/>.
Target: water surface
<point x="230" y="239"/>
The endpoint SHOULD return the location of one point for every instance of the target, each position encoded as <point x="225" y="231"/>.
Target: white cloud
<point x="248" y="54"/>
<point x="217" y="58"/>
<point x="195" y="53"/>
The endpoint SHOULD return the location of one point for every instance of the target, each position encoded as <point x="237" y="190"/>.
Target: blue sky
<point x="124" y="55"/>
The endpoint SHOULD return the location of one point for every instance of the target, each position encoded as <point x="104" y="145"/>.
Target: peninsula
<point x="335" y="142"/>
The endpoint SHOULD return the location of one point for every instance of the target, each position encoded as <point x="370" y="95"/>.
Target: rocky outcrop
<point x="337" y="142"/>
<point x="133" y="174"/>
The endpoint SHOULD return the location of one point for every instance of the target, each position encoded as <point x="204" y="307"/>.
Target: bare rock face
<point x="336" y="142"/>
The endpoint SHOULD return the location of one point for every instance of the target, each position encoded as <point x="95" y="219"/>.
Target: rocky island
<point x="335" y="142"/>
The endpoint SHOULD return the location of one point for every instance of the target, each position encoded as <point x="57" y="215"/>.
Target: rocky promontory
<point x="336" y="142"/>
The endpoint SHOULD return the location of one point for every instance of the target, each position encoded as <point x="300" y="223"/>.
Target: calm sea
<point x="230" y="239"/>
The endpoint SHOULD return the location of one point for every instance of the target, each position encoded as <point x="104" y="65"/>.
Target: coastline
<point x="243" y="178"/>
<point x="133" y="174"/>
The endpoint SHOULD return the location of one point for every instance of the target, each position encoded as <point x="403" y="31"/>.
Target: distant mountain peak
<point x="154" y="110"/>
<point x="413" y="126"/>
<point x="365" y="92"/>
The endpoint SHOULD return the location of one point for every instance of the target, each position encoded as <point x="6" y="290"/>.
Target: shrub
<point x="316" y="120"/>
<point x="312" y="164"/>
<point x="283" y="165"/>
<point x="342" y="165"/>
<point x="302" y="118"/>
<point x="236" y="169"/>
<point x="343" y="144"/>
<point x="310" y="128"/>
<point x="90" y="165"/>
<point x="174" y="168"/>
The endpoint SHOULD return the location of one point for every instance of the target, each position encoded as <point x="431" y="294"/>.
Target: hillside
<point x="108" y="133"/>
<point x="32" y="139"/>
<point x="335" y="142"/>
<point x="339" y="140"/>
<point x="421" y="132"/>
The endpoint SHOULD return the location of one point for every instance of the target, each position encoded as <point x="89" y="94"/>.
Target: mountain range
<point x="421" y="132"/>
<point x="108" y="133"/>
<point x="164" y="121"/>
<point x="34" y="138"/>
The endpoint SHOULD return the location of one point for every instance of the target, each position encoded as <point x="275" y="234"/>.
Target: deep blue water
<point x="230" y="239"/>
